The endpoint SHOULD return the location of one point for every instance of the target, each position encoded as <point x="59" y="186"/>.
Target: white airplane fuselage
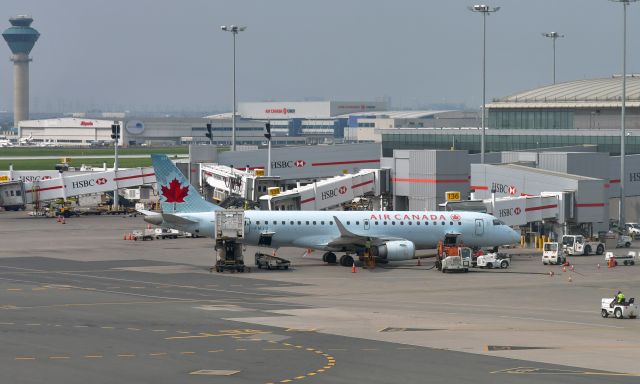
<point x="311" y="229"/>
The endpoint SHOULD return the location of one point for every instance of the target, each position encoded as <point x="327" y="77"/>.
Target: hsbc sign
<point x="333" y="192"/>
<point x="88" y="183"/>
<point x="504" y="188"/>
<point x="507" y="212"/>
<point x="288" y="164"/>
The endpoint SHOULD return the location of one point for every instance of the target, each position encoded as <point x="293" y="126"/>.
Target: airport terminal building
<point x="571" y="113"/>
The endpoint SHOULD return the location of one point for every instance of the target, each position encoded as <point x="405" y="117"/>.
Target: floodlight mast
<point x="553" y="36"/>
<point x="234" y="29"/>
<point x="485" y="10"/>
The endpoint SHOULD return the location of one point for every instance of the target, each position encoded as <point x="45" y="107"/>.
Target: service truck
<point x="578" y="245"/>
<point x="229" y="237"/>
<point x="552" y="254"/>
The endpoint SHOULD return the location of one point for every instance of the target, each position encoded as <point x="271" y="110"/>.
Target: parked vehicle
<point x="146" y="234"/>
<point x="494" y="260"/>
<point x="632" y="229"/>
<point x="578" y="245"/>
<point x="552" y="254"/>
<point x="628" y="259"/>
<point x="167" y="233"/>
<point x="271" y="262"/>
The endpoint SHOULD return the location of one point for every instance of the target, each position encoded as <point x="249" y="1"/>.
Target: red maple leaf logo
<point x="175" y="193"/>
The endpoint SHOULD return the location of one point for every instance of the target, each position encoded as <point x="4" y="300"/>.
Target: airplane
<point x="391" y="235"/>
<point x="26" y="140"/>
<point x="5" y="143"/>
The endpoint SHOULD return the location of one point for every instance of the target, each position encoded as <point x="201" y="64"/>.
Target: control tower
<point x="21" y="39"/>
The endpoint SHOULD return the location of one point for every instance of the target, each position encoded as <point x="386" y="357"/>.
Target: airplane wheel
<point x="346" y="260"/>
<point x="331" y="258"/>
<point x="618" y="313"/>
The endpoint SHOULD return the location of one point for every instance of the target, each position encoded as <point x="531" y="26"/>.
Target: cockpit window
<point x="497" y="222"/>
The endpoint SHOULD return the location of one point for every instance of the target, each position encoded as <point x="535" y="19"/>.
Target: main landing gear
<point x="331" y="258"/>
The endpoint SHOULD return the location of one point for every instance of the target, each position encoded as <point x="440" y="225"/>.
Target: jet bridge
<point x="329" y="193"/>
<point x="62" y="187"/>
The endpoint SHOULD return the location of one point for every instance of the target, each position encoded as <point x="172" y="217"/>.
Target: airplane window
<point x="357" y="223"/>
<point x="435" y="223"/>
<point x="409" y="222"/>
<point x="258" y="222"/>
<point x="284" y="222"/>
<point x="307" y="223"/>
<point x="291" y="222"/>
<point x="376" y="223"/>
<point x="417" y="223"/>
<point x="348" y="223"/>
<point x="322" y="223"/>
<point x="299" y="222"/>
<point x="402" y="223"/>
<point x="459" y="223"/>
<point x="443" y="223"/>
<point x="275" y="222"/>
<point x="331" y="223"/>
<point x="393" y="223"/>
<point x="314" y="223"/>
<point x="384" y="223"/>
<point x="451" y="223"/>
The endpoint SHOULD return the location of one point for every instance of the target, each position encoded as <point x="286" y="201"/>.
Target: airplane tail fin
<point x="177" y="195"/>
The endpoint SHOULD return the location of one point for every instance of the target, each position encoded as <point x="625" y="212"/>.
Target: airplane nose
<point x="153" y="219"/>
<point x="514" y="236"/>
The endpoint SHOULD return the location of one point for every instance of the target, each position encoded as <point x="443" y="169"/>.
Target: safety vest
<point x="620" y="297"/>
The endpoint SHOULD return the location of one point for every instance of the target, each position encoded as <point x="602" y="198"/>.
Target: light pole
<point x="485" y="10"/>
<point x="625" y="3"/>
<point x="115" y="135"/>
<point x="553" y="36"/>
<point x="234" y="29"/>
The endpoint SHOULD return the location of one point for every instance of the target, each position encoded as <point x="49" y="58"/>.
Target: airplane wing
<point x="349" y="239"/>
<point x="179" y="220"/>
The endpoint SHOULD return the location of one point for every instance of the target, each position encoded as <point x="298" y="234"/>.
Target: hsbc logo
<point x="288" y="164"/>
<point x="504" y="188"/>
<point x="333" y="193"/>
<point x="83" y="184"/>
<point x="101" y="181"/>
<point x="507" y="212"/>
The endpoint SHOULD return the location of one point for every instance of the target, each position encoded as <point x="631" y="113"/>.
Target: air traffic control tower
<point x="21" y="39"/>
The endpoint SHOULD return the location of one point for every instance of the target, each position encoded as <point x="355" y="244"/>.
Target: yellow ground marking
<point x="126" y="355"/>
<point x="310" y="349"/>
<point x="25" y="358"/>
<point x="38" y="289"/>
<point x="311" y="374"/>
<point x="137" y="287"/>
<point x="301" y="329"/>
<point x="158" y="330"/>
<point x="286" y="381"/>
<point x="241" y="349"/>
<point x="107" y="327"/>
<point x="14" y="289"/>
<point x="133" y="329"/>
<point x="277" y="349"/>
<point x="158" y="354"/>
<point x="222" y="333"/>
<point x="336" y="349"/>
<point x="80" y="326"/>
<point x="319" y="370"/>
<point x="187" y="353"/>
<point x="58" y="357"/>
<point x="183" y="332"/>
<point x="300" y="377"/>
<point x="327" y="367"/>
<point x="32" y="324"/>
<point x="216" y="350"/>
<point x="93" y="356"/>
<point x="7" y="323"/>
<point x="370" y="349"/>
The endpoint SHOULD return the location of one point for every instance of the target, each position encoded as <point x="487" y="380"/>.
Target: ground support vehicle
<point x="494" y="260"/>
<point x="452" y="256"/>
<point x="229" y="234"/>
<point x="147" y="234"/>
<point x="552" y="254"/>
<point x="166" y="233"/>
<point x="264" y="260"/>
<point x="633" y="229"/>
<point x="624" y="241"/>
<point x="578" y="245"/>
<point x="625" y="310"/>
<point x="628" y="259"/>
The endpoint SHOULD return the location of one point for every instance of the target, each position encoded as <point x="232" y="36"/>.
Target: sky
<point x="162" y="55"/>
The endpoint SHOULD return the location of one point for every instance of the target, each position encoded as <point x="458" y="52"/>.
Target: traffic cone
<point x="353" y="267"/>
<point x="125" y="237"/>
<point x="598" y="266"/>
<point x="572" y="268"/>
<point x="130" y="236"/>
<point x="564" y="269"/>
<point x="570" y="279"/>
<point x="419" y="264"/>
<point x="551" y="273"/>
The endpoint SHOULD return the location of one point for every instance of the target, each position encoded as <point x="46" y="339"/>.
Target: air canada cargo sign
<point x="90" y="183"/>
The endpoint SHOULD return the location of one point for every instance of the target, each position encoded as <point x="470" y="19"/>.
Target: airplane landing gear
<point x="346" y="260"/>
<point x="329" y="257"/>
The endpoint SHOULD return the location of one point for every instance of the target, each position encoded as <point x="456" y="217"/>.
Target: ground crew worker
<point x="620" y="298"/>
<point x="367" y="245"/>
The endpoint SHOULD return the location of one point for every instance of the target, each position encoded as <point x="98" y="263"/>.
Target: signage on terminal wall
<point x="288" y="164"/>
<point x="282" y="111"/>
<point x="84" y="123"/>
<point x="507" y="212"/>
<point x="333" y="192"/>
<point x="634" y="176"/>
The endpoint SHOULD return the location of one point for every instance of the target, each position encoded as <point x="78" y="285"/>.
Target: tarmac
<point x="79" y="304"/>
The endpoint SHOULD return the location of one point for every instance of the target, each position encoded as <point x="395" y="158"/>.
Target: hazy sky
<point x="171" y="55"/>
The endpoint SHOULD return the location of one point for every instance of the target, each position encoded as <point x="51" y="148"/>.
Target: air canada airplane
<point x="391" y="235"/>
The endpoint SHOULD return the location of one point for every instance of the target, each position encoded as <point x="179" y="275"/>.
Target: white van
<point x="552" y="254"/>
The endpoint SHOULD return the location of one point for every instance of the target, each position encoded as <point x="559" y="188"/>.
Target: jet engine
<point x="395" y="250"/>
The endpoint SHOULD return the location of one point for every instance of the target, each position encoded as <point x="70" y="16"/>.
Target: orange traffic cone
<point x="353" y="267"/>
<point x="125" y="237"/>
